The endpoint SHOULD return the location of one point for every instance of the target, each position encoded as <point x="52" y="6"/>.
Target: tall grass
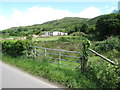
<point x="66" y="76"/>
<point x="96" y="77"/>
<point x="66" y="43"/>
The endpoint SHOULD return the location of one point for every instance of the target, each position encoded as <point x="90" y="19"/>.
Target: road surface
<point x="15" y="78"/>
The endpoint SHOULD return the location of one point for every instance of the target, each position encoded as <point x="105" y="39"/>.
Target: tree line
<point x="102" y="26"/>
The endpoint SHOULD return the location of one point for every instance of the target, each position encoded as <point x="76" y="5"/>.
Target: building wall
<point x="55" y="33"/>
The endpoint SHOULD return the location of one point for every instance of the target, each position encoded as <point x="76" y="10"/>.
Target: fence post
<point x="34" y="52"/>
<point x="84" y="58"/>
<point x="59" y="58"/>
<point x="45" y="52"/>
<point x="27" y="52"/>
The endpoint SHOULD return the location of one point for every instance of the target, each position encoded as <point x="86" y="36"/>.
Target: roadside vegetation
<point x="106" y="41"/>
<point x="98" y="76"/>
<point x="100" y="73"/>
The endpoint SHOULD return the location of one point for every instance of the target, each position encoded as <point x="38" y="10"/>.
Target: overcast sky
<point x="28" y="12"/>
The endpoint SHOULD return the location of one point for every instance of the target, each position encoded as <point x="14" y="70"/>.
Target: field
<point x="49" y="38"/>
<point x="100" y="74"/>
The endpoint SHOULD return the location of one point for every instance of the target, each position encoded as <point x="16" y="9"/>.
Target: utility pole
<point x="119" y="7"/>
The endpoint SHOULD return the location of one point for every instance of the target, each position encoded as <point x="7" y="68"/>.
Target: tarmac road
<point x="13" y="77"/>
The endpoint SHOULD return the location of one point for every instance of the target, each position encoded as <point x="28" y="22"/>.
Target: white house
<point x="55" y="33"/>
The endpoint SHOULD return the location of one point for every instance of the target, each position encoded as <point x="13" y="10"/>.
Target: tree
<point x="108" y="25"/>
<point x="84" y="28"/>
<point x="36" y="31"/>
<point x="29" y="37"/>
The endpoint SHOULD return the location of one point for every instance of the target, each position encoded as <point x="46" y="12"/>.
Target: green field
<point x="100" y="74"/>
<point x="49" y="38"/>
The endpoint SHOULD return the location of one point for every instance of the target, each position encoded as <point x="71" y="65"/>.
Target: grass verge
<point x="66" y="76"/>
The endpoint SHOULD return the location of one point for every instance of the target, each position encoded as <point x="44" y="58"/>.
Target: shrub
<point x="105" y="74"/>
<point x="107" y="45"/>
<point x="108" y="25"/>
<point x="14" y="48"/>
<point x="29" y="37"/>
<point x="71" y="39"/>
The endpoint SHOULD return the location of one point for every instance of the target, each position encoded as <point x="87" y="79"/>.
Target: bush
<point x="105" y="74"/>
<point x="108" y="25"/>
<point x="14" y="49"/>
<point x="71" y="39"/>
<point x="79" y="34"/>
<point x="29" y="37"/>
<point x="107" y="45"/>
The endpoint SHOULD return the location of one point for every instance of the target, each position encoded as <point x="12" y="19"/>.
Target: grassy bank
<point x="69" y="77"/>
<point x="63" y="75"/>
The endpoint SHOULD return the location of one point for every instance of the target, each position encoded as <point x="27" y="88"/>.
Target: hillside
<point x="63" y="23"/>
<point x="75" y="26"/>
<point x="55" y="25"/>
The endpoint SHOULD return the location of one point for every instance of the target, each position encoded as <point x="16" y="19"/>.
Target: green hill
<point x="73" y="26"/>
<point x="55" y="25"/>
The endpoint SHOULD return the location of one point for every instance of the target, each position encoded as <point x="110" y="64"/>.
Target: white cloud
<point x="108" y="9"/>
<point x="5" y="23"/>
<point x="90" y="12"/>
<point x="38" y="15"/>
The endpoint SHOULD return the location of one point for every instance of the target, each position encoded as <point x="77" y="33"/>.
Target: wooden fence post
<point x="27" y="52"/>
<point x="84" y="59"/>
<point x="34" y="52"/>
<point x="59" y="58"/>
<point x="45" y="52"/>
<point x="84" y="64"/>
